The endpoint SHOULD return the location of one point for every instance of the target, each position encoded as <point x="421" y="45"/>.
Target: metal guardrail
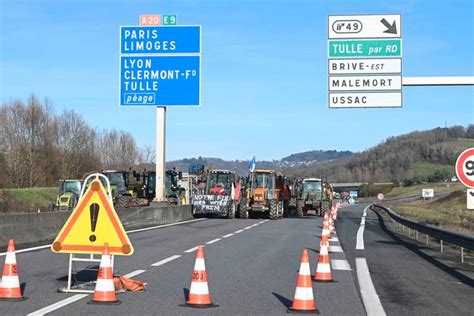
<point x="455" y="238"/>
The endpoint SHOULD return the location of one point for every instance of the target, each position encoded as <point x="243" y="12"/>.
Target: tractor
<point x="174" y="193"/>
<point x="220" y="196"/>
<point x="68" y="195"/>
<point x="263" y="194"/>
<point x="312" y="194"/>
<point x="123" y="193"/>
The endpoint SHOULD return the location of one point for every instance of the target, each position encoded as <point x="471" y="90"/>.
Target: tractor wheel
<point x="299" y="208"/>
<point x="231" y="212"/>
<point x="292" y="202"/>
<point x="243" y="212"/>
<point x="282" y="209"/>
<point x="273" y="212"/>
<point x="123" y="201"/>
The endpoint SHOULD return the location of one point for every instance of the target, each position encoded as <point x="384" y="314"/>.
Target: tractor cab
<point x="173" y="191"/>
<point x="68" y="194"/>
<point x="220" y="182"/>
<point x="262" y="186"/>
<point x="312" y="188"/>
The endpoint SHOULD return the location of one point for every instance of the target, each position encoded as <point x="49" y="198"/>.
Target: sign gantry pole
<point x="160" y="153"/>
<point x="438" y="81"/>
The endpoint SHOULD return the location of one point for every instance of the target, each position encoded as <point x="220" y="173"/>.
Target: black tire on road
<point x="232" y="209"/>
<point x="299" y="208"/>
<point x="243" y="212"/>
<point x="282" y="209"/>
<point x="123" y="201"/>
<point x="273" y="211"/>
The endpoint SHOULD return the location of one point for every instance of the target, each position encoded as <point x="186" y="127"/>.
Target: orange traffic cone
<point x="10" y="285"/>
<point x="199" y="292"/>
<point x="332" y="229"/>
<point x="323" y="269"/>
<point x="104" y="289"/>
<point x="304" y="301"/>
<point x="325" y="233"/>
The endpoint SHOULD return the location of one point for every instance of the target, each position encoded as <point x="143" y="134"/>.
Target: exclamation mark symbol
<point x="94" y="210"/>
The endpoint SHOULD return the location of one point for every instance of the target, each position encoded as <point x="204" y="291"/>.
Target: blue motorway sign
<point x="160" y="39"/>
<point x="160" y="66"/>
<point x="160" y="80"/>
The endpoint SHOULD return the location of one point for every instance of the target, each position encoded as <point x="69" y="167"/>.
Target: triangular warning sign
<point x="93" y="223"/>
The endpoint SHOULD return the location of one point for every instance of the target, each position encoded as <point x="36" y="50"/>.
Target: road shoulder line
<point x="371" y="300"/>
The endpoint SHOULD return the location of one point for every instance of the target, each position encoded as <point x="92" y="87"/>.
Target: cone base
<point x="13" y="299"/>
<point x="323" y="281"/>
<point x="301" y="311"/>
<point x="92" y="302"/>
<point x="199" y="305"/>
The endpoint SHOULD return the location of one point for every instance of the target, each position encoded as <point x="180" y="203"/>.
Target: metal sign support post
<point x="160" y="153"/>
<point x="80" y="288"/>
<point x="438" y="81"/>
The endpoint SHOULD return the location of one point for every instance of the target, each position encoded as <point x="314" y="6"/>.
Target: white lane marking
<point x="58" y="305"/>
<point x="371" y="300"/>
<point x="266" y="220"/>
<point x="360" y="238"/>
<point x="27" y="249"/>
<point x="159" y="263"/>
<point x="360" y="231"/>
<point x="340" y="264"/>
<point x="238" y="231"/>
<point x="213" y="241"/>
<point x="128" y="232"/>
<point x="261" y="222"/>
<point x="134" y="273"/>
<point x="228" y="235"/>
<point x="255" y="225"/>
<point x="334" y="238"/>
<point x="248" y="227"/>
<point x="335" y="249"/>
<point x="162" y="226"/>
<point x="192" y="249"/>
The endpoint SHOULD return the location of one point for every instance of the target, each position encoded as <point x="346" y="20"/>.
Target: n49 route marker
<point x="365" y="58"/>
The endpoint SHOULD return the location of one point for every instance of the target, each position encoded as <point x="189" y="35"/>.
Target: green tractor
<point x="312" y="194"/>
<point x="123" y="193"/>
<point x="68" y="195"/>
<point x="174" y="193"/>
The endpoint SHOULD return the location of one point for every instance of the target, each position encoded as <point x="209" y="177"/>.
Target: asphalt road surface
<point x="252" y="267"/>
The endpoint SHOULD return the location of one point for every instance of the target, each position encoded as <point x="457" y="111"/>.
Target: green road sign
<point x="169" y="19"/>
<point x="365" y="48"/>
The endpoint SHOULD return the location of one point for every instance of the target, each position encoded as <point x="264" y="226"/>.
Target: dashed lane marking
<point x="128" y="232"/>
<point x="58" y="305"/>
<point x="248" y="227"/>
<point x="340" y="264"/>
<point x="134" y="273"/>
<point x="213" y="241"/>
<point x="371" y="300"/>
<point x="335" y="249"/>
<point x="255" y="225"/>
<point x="191" y="249"/>
<point x="238" y="231"/>
<point x="162" y="262"/>
<point x="228" y="235"/>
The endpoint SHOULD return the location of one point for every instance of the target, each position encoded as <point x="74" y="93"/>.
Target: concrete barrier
<point x="35" y="229"/>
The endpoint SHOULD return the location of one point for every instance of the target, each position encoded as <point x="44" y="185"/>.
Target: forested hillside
<point x="414" y="157"/>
